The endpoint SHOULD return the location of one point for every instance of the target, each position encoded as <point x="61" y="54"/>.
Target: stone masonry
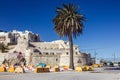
<point x="35" y="51"/>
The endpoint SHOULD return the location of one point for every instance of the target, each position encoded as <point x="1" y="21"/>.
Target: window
<point x="46" y="53"/>
<point x="56" y="59"/>
<point x="40" y="53"/>
<point x="65" y="42"/>
<point x="52" y="53"/>
<point x="75" y="48"/>
<point x="76" y="53"/>
<point x="66" y="53"/>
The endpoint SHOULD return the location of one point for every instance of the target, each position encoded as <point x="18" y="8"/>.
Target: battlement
<point x="14" y="37"/>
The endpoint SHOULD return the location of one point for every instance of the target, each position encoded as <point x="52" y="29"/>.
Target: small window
<point x="76" y="53"/>
<point x="66" y="53"/>
<point x="65" y="42"/>
<point x="56" y="59"/>
<point x="52" y="53"/>
<point x="24" y="37"/>
<point x="40" y="53"/>
<point x="75" y="48"/>
<point x="46" y="53"/>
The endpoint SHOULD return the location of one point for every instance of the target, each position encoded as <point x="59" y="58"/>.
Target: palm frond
<point x="68" y="20"/>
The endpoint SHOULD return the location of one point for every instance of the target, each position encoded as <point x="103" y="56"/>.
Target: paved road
<point x="99" y="74"/>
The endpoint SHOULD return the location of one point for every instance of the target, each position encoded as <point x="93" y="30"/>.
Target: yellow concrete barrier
<point x="19" y="70"/>
<point x="91" y="68"/>
<point x="56" y="69"/>
<point x="2" y="69"/>
<point x="11" y="69"/>
<point x="78" y="69"/>
<point x="85" y="68"/>
<point x="38" y="70"/>
<point x="46" y="70"/>
<point x="97" y="65"/>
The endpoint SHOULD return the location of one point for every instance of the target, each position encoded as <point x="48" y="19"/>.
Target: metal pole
<point x="95" y="56"/>
<point x="114" y="57"/>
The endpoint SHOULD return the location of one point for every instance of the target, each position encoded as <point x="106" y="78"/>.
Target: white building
<point x="34" y="51"/>
<point x="12" y="37"/>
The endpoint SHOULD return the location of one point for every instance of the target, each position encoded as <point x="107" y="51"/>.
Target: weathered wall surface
<point x="2" y="57"/>
<point x="48" y="59"/>
<point x="34" y="51"/>
<point x="79" y="60"/>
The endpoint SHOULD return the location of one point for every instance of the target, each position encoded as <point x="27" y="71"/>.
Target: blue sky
<point x="101" y="32"/>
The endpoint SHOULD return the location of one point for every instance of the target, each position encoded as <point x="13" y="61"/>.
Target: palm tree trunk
<point x="71" y="64"/>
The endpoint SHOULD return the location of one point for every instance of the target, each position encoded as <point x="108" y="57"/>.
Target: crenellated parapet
<point x="14" y="37"/>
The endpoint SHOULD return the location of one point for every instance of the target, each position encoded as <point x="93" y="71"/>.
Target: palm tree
<point x="69" y="23"/>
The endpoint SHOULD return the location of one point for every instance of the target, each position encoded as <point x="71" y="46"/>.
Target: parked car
<point x="119" y="64"/>
<point x="111" y="64"/>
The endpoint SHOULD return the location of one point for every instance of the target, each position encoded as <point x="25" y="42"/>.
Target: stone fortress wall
<point x="36" y="51"/>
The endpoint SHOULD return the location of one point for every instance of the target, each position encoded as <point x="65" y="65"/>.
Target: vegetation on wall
<point x="3" y="48"/>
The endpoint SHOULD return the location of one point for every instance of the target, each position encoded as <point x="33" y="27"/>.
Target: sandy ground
<point x="98" y="74"/>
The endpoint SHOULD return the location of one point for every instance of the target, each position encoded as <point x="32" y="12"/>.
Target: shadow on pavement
<point x="112" y="68"/>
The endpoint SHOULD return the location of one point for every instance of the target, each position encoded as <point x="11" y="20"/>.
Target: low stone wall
<point x="78" y="60"/>
<point x="47" y="59"/>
